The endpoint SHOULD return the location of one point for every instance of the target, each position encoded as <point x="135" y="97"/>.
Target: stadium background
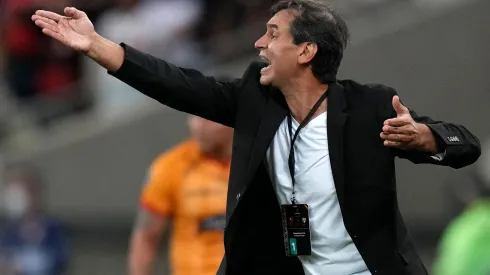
<point x="94" y="138"/>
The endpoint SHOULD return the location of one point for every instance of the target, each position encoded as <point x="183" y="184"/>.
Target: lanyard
<point x="291" y="160"/>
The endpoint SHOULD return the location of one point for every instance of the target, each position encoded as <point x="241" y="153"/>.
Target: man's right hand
<point x="75" y="30"/>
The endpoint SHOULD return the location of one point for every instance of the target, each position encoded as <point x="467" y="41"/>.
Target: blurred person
<point x="41" y="75"/>
<point x="463" y="189"/>
<point x="19" y="42"/>
<point x="32" y="243"/>
<point x="464" y="247"/>
<point x="187" y="185"/>
<point x="312" y="186"/>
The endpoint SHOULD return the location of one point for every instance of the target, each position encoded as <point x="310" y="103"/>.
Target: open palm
<point x="75" y="30"/>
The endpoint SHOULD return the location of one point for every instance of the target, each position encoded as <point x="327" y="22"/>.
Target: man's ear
<point x="307" y="51"/>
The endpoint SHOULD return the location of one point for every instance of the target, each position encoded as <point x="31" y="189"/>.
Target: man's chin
<point x="264" y="80"/>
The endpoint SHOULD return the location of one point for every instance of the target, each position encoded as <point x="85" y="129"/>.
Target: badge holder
<point x="296" y="229"/>
<point x="295" y="217"/>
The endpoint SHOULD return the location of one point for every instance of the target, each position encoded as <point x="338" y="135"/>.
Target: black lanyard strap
<point x="291" y="160"/>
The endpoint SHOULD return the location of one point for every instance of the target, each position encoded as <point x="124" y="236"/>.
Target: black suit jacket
<point x="363" y="169"/>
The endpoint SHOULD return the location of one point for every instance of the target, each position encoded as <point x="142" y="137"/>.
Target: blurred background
<point x="92" y="137"/>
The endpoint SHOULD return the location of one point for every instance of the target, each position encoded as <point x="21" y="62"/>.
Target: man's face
<point x="278" y="50"/>
<point x="209" y="135"/>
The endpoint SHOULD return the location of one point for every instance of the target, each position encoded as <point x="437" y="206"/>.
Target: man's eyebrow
<point x="272" y="26"/>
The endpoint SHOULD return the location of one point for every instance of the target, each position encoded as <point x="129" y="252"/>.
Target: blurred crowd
<point x="41" y="81"/>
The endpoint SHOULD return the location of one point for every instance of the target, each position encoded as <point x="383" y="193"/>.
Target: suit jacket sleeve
<point x="183" y="89"/>
<point x="458" y="147"/>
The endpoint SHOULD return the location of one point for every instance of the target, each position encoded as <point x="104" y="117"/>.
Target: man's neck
<point x="222" y="155"/>
<point x="302" y="95"/>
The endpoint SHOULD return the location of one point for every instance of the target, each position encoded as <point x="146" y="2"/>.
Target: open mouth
<point x="268" y="64"/>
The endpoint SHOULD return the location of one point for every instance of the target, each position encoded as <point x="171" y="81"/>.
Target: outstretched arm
<point x="186" y="90"/>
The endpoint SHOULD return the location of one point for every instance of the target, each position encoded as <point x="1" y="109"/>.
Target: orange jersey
<point x="191" y="189"/>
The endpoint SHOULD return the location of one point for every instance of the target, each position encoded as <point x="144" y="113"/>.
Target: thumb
<point x="74" y="13"/>
<point x="399" y="108"/>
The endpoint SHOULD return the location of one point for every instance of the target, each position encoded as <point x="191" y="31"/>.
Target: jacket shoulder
<point x="253" y="70"/>
<point x="250" y="80"/>
<point x="373" y="93"/>
<point x="371" y="89"/>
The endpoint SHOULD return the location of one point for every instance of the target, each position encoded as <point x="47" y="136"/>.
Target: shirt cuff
<point x="439" y="156"/>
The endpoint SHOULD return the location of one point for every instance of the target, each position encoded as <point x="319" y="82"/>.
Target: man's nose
<point x="260" y="44"/>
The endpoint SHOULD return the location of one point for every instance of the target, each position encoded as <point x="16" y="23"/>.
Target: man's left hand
<point x="404" y="133"/>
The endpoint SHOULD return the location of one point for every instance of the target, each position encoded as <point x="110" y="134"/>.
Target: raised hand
<point x="403" y="132"/>
<point x="75" y="30"/>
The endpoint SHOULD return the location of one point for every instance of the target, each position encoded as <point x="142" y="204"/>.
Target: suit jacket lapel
<point x="336" y="118"/>
<point x="274" y="113"/>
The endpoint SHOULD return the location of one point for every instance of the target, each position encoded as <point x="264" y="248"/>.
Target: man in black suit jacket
<point x="367" y="127"/>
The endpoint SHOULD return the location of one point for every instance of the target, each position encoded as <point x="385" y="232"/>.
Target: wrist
<point x="95" y="41"/>
<point x="427" y="141"/>
<point x="106" y="53"/>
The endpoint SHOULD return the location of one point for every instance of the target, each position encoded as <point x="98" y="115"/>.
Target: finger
<point x="388" y="143"/>
<point x="397" y="122"/>
<point x="405" y="130"/>
<point x="399" y="108"/>
<point x="74" y="13"/>
<point x="48" y="14"/>
<point x="53" y="34"/>
<point x="44" y="25"/>
<point x="397" y="137"/>
<point x="45" y="19"/>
